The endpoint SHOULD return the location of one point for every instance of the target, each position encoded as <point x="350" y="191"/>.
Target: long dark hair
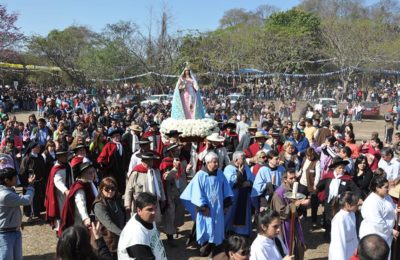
<point x="74" y="244"/>
<point x="359" y="160"/>
<point x="48" y="143"/>
<point x="266" y="217"/>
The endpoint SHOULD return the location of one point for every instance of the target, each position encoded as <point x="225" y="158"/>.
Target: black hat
<point x="338" y="161"/>
<point x="144" y="141"/>
<point x="79" y="146"/>
<point x="31" y="145"/>
<point x="173" y="133"/>
<point x="148" y="156"/>
<point x="81" y="168"/>
<point x="62" y="152"/>
<point x="153" y="124"/>
<point x="171" y="147"/>
<point x="230" y="125"/>
<point x="115" y="131"/>
<point x="276" y="133"/>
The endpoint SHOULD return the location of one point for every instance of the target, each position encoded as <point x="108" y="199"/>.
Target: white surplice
<point x="344" y="239"/>
<point x="265" y="248"/>
<point x="379" y="217"/>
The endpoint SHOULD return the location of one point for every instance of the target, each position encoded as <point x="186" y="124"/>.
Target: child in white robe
<point x="344" y="239"/>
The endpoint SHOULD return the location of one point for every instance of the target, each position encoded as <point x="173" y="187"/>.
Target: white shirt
<point x="317" y="171"/>
<point x="134" y="161"/>
<point x="344" y="239"/>
<point x="379" y="217"/>
<point x="80" y="204"/>
<point x="134" y="233"/>
<point x="265" y="248"/>
<point x="241" y="129"/>
<point x="391" y="168"/>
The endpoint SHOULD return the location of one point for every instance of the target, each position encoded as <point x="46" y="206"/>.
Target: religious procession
<point x="273" y="137"/>
<point x="248" y="187"/>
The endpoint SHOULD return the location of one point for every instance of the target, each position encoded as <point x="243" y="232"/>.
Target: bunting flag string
<point x="252" y="75"/>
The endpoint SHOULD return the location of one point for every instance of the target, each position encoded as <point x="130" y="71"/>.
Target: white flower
<point x="189" y="128"/>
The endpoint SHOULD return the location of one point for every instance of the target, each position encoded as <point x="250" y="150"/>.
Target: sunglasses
<point x="109" y="189"/>
<point x="263" y="157"/>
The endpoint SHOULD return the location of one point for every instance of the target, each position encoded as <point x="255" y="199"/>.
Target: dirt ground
<point x="39" y="241"/>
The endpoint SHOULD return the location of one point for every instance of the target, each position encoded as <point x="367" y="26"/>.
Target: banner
<point x="28" y="67"/>
<point x="244" y="73"/>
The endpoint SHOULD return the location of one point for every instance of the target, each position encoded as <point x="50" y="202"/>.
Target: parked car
<point x="235" y="97"/>
<point x="370" y="108"/>
<point x="156" y="99"/>
<point x="129" y="100"/>
<point x="326" y="103"/>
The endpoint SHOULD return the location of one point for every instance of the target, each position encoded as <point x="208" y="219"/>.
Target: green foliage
<point x="347" y="32"/>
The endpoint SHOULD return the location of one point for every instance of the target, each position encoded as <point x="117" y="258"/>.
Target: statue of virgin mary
<point x="186" y="103"/>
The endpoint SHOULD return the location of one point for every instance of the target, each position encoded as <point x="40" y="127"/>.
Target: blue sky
<point x="41" y="16"/>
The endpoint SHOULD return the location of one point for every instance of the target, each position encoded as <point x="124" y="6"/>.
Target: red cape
<point x="76" y="160"/>
<point x="148" y="134"/>
<point x="167" y="164"/>
<point x="68" y="212"/>
<point x="344" y="177"/>
<point x="256" y="168"/>
<point x="108" y="150"/>
<point x="231" y="134"/>
<point x="140" y="168"/>
<point x="252" y="150"/>
<point x="329" y="175"/>
<point x="50" y="201"/>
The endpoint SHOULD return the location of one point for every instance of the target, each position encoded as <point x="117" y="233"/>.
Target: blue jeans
<point x="11" y="246"/>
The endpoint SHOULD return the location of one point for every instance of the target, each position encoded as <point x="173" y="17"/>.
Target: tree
<point x="335" y="8"/>
<point x="290" y="39"/>
<point x="265" y="11"/>
<point x="9" y="32"/>
<point x="237" y="16"/>
<point x="386" y="11"/>
<point x="110" y="57"/>
<point x="65" y="50"/>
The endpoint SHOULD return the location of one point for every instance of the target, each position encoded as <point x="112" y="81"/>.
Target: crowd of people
<point x="108" y="180"/>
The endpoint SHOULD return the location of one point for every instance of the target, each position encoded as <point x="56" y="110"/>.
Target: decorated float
<point x="188" y="115"/>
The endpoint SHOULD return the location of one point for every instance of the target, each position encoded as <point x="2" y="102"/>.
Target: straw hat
<point x="135" y="127"/>
<point x="215" y="137"/>
<point x="260" y="135"/>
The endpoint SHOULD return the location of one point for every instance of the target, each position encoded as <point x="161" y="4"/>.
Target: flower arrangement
<point x="189" y="127"/>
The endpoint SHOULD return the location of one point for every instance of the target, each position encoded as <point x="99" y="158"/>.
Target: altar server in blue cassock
<point x="207" y="197"/>
<point x="268" y="178"/>
<point x="240" y="179"/>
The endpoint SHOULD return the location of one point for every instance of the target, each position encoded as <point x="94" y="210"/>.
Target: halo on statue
<point x="293" y="196"/>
